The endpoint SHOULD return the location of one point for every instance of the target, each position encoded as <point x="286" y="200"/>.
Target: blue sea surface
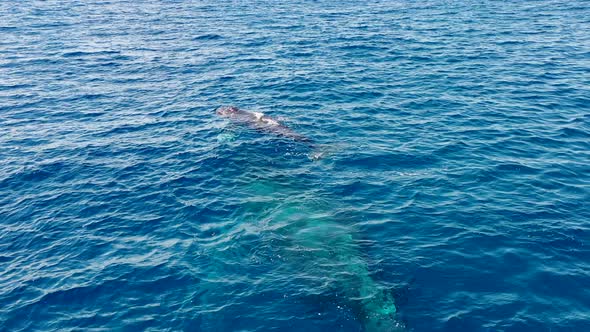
<point x="449" y="171"/>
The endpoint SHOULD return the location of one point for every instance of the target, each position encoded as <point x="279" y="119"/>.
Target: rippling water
<point x="454" y="181"/>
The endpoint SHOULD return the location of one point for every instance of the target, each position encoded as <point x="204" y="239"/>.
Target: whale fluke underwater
<point x="261" y="122"/>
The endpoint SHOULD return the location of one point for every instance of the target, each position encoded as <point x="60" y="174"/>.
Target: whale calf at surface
<point x="261" y="122"/>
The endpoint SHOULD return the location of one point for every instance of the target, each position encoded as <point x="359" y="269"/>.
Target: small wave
<point x="82" y="54"/>
<point x="210" y="36"/>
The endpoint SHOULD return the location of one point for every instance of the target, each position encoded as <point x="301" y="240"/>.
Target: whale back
<point x="260" y="122"/>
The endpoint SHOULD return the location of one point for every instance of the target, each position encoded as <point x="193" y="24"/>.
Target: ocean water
<point x="447" y="189"/>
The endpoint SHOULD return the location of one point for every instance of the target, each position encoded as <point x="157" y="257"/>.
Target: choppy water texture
<point x="455" y="174"/>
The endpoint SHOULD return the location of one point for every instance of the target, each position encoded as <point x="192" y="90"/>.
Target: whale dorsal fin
<point x="258" y="115"/>
<point x="265" y="119"/>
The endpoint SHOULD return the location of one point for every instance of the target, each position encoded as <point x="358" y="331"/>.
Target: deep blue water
<point x="455" y="174"/>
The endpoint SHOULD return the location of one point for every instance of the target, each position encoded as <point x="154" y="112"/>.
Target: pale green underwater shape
<point x="321" y="246"/>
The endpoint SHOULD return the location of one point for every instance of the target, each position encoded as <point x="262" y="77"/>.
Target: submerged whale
<point x="325" y="252"/>
<point x="326" y="249"/>
<point x="260" y="122"/>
